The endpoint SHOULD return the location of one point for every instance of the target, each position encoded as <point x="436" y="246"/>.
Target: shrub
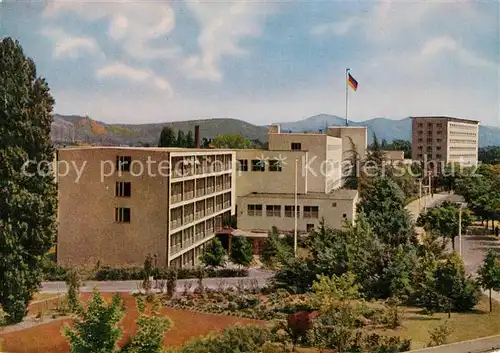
<point x="52" y="271"/>
<point x="439" y="335"/>
<point x="299" y="323"/>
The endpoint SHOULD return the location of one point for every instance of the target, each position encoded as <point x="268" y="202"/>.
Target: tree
<point x="383" y="203"/>
<point x="96" y="330"/>
<point x="190" y="140"/>
<point x="458" y="290"/>
<point x="241" y="251"/>
<point x="443" y="220"/>
<point x="235" y="141"/>
<point x="214" y="254"/>
<point x="275" y="252"/>
<point x="167" y="137"/>
<point x="152" y="327"/>
<point x="73" y="283"/>
<point x="28" y="197"/>
<point x="489" y="273"/>
<point x="376" y="156"/>
<point x="181" y="139"/>
<point x="148" y="270"/>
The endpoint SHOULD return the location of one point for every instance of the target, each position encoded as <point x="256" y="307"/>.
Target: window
<point x="275" y="166"/>
<point x="419" y="155"/>
<point x="420" y="132"/>
<point x="289" y="211"/>
<point x="429" y="148"/>
<point x="255" y="210"/>
<point x="310" y="227"/>
<point x="122" y="215"/>
<point x="438" y="156"/>
<point x="420" y="147"/>
<point x="123" y="189"/>
<point x="438" y="140"/>
<point x="420" y="125"/>
<point x="273" y="211"/>
<point x="334" y="204"/>
<point x="420" y="140"/>
<point x="123" y="163"/>
<point x="344" y="215"/>
<point x="438" y="148"/>
<point x="429" y="140"/>
<point x="311" y="211"/>
<point x="258" y="165"/>
<point x="243" y="163"/>
<point x="296" y="146"/>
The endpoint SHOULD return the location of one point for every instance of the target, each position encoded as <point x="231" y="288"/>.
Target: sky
<point x="263" y="61"/>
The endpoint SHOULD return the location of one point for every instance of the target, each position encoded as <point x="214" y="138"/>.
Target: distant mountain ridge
<point x="384" y="128"/>
<point x="69" y="128"/>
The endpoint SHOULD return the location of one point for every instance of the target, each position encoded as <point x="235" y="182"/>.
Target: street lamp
<point x="461" y="205"/>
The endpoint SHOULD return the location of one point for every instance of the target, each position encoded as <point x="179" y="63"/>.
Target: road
<point x="256" y="277"/>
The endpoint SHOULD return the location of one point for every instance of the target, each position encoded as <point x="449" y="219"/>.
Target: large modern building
<point x="119" y="204"/>
<point x="310" y="163"/>
<point x="444" y="140"/>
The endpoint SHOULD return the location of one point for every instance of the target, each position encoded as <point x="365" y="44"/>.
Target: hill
<point x="384" y="128"/>
<point x="68" y="128"/>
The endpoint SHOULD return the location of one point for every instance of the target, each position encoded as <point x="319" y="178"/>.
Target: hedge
<point x="53" y="272"/>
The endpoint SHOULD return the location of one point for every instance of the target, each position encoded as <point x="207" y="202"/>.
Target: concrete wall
<point x="358" y="134"/>
<point x="87" y="229"/>
<point x="270" y="181"/>
<point x="462" y="143"/>
<point x="316" y="146"/>
<point x="333" y="172"/>
<point x="331" y="209"/>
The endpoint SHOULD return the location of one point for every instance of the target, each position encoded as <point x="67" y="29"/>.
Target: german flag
<point x="352" y="82"/>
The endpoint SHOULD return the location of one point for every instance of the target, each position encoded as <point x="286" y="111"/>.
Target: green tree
<point x="383" y="203"/>
<point x="73" y="283"/>
<point x="489" y="273"/>
<point x="181" y="139"/>
<point x="152" y="328"/>
<point x="452" y="284"/>
<point x="190" y="140"/>
<point x="275" y="252"/>
<point x="231" y="141"/>
<point x="376" y="156"/>
<point x="96" y="331"/>
<point x="214" y="254"/>
<point x="167" y="137"/>
<point x="241" y="251"/>
<point x="443" y="220"/>
<point x="28" y="197"/>
<point x="147" y="273"/>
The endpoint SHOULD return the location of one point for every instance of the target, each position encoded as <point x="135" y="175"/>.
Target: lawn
<point x="467" y="326"/>
<point x="47" y="337"/>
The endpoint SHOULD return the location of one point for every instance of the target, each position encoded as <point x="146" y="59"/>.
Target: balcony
<point x="188" y="195"/>
<point x="188" y="242"/>
<point x="176" y="198"/>
<point x="175" y="223"/>
<point x="175" y="249"/>
<point x="227" y="204"/>
<point x="219" y="187"/>
<point x="210" y="190"/>
<point x="199" y="237"/>
<point x="218" y="207"/>
<point x="188" y="219"/>
<point x="200" y="192"/>
<point x="200" y="214"/>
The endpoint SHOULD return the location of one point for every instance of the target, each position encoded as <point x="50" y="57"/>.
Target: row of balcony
<point x="178" y="222"/>
<point x="188" y="195"/>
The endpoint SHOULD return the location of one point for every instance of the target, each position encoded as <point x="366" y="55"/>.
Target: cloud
<point x="124" y="71"/>
<point x="223" y="25"/>
<point x="335" y="28"/>
<point x="133" y="24"/>
<point x="67" y="45"/>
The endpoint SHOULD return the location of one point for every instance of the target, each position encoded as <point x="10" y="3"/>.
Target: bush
<point x="52" y="271"/>
<point x="439" y="335"/>
<point x="137" y="273"/>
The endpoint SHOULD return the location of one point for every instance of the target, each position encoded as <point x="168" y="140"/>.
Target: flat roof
<point x="152" y="149"/>
<point x="341" y="194"/>
<point x="448" y="118"/>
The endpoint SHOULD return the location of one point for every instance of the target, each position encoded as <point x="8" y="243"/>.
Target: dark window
<point x="273" y="211"/>
<point x="420" y="140"/>
<point x="122" y="215"/>
<point x="429" y="140"/>
<point x="243" y="163"/>
<point x="258" y="165"/>
<point x="310" y="227"/>
<point x="334" y="204"/>
<point x="254" y="210"/>
<point x="344" y="215"/>
<point x="311" y="211"/>
<point x="419" y="155"/>
<point x="123" y="189"/>
<point x="438" y="156"/>
<point x="275" y="166"/>
<point x="289" y="211"/>
<point x="123" y="163"/>
<point x="438" y="148"/>
<point x="296" y="146"/>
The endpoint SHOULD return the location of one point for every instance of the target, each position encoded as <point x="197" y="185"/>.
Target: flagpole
<point x="346" y="95"/>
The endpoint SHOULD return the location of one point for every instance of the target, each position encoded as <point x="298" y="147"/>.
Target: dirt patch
<point x="186" y="324"/>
